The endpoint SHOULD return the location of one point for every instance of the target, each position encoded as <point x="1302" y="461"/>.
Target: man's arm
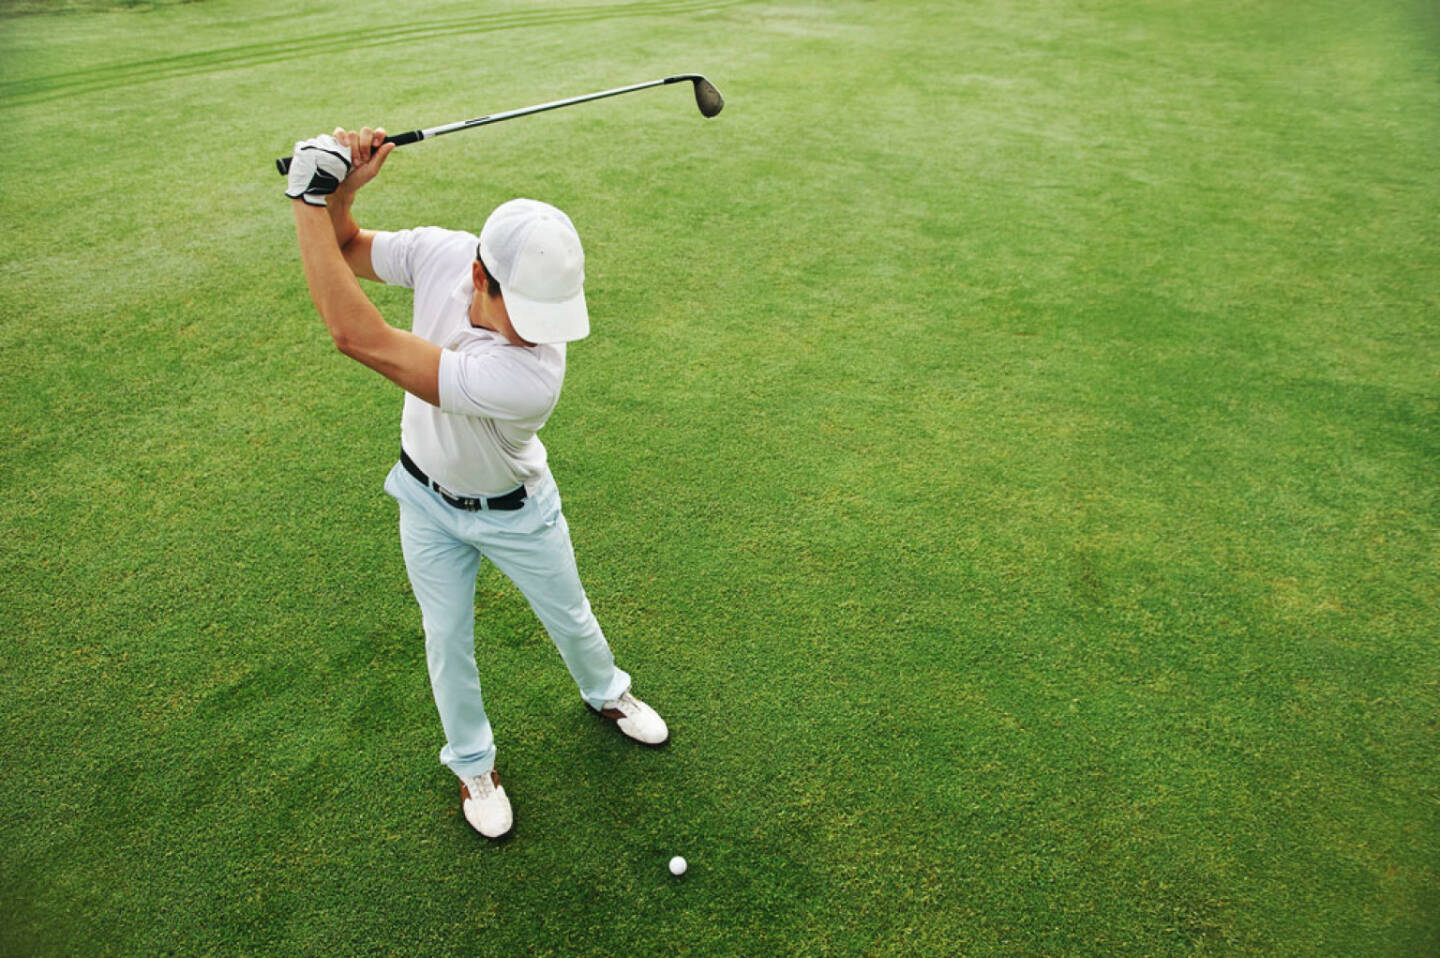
<point x="355" y="243"/>
<point x="356" y="326"/>
<point x="368" y="156"/>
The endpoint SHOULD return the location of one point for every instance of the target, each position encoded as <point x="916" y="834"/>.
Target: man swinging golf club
<point x="481" y="371"/>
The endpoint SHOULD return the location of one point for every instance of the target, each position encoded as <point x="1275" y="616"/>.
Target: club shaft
<point x="414" y="136"/>
<point x="540" y="108"/>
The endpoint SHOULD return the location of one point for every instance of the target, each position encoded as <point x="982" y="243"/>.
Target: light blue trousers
<point x="443" y="547"/>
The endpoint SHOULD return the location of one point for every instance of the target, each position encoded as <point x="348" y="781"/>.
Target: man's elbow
<point x="354" y="339"/>
<point x="351" y="345"/>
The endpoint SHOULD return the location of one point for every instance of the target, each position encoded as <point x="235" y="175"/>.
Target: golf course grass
<point x="1006" y="454"/>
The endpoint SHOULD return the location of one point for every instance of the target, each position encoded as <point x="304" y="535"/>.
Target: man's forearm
<point x="348" y="313"/>
<point x="338" y="206"/>
<point x="354" y="242"/>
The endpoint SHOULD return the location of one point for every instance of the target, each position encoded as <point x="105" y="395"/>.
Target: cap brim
<point x="541" y="322"/>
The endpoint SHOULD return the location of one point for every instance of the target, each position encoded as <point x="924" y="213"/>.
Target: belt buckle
<point x="479" y="503"/>
<point x="458" y="502"/>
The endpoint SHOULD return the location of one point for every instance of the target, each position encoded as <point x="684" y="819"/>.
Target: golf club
<point x="707" y="98"/>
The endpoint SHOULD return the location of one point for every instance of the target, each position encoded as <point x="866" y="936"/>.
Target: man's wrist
<point x="340" y="219"/>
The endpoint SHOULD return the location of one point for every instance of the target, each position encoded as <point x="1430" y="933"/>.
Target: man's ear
<point x="477" y="276"/>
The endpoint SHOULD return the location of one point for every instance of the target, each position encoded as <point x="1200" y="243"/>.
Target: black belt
<point x="514" y="499"/>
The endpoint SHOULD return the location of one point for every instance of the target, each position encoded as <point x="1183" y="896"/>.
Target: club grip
<point x="283" y="163"/>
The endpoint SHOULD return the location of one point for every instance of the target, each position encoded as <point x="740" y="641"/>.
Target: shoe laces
<point x="481" y="786"/>
<point x="626" y="703"/>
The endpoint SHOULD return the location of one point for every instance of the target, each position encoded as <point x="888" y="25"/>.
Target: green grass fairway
<point x="1007" y="454"/>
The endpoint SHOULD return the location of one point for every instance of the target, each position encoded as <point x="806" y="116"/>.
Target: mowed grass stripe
<point x="95" y="79"/>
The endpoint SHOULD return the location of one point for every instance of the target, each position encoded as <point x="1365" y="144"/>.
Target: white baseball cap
<point x="533" y="251"/>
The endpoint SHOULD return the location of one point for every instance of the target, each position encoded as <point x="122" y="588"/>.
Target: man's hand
<point x="317" y="169"/>
<point x="366" y="152"/>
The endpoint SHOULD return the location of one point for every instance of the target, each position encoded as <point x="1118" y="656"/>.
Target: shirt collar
<point x="464" y="291"/>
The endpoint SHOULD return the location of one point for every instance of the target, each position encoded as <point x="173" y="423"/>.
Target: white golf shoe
<point x="637" y="720"/>
<point x="486" y="806"/>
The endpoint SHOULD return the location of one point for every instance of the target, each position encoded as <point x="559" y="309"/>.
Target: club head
<point x="707" y="98"/>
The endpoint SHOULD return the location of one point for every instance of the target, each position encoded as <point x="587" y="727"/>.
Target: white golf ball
<point x="677" y="865"/>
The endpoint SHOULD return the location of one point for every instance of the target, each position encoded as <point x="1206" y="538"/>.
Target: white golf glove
<point x="316" y="169"/>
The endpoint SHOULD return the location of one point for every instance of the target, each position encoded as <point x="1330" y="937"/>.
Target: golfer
<point x="481" y="371"/>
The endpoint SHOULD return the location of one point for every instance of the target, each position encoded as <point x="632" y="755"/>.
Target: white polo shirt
<point x="494" y="396"/>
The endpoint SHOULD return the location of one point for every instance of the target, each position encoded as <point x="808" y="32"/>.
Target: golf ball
<point x="677" y="865"/>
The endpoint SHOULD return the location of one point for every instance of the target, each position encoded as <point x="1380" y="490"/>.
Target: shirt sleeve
<point x="400" y="258"/>
<point x="487" y="385"/>
<point x="390" y="257"/>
